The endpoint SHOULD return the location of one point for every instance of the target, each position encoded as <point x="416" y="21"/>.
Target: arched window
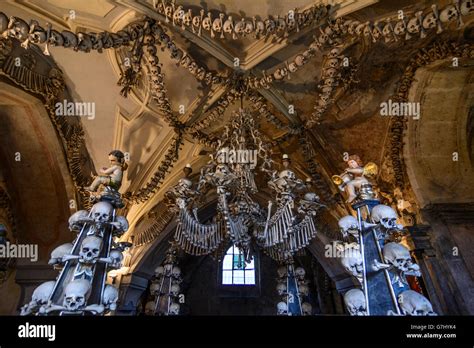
<point x="234" y="269"/>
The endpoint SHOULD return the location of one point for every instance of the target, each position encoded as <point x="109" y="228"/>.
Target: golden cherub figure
<point x="354" y="177"/>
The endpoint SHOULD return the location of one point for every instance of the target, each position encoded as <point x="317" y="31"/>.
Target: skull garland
<point x="355" y="302"/>
<point x="413" y="303"/>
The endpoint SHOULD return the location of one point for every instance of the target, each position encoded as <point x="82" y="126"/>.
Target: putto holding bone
<point x="111" y="176"/>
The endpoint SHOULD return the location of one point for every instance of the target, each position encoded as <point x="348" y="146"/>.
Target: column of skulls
<point x="293" y="289"/>
<point x="165" y="287"/>
<point x="83" y="264"/>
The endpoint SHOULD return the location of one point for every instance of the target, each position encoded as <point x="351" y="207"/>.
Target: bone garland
<point x="150" y="233"/>
<point x="410" y="26"/>
<point x="158" y="89"/>
<point x="258" y="104"/>
<point x="85" y="42"/>
<point x="183" y="58"/>
<point x="321" y="185"/>
<point x="216" y="111"/>
<point x="437" y="51"/>
<point x="171" y="156"/>
<point x="225" y="26"/>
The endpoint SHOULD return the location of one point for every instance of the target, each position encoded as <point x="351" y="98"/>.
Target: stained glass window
<point x="235" y="271"/>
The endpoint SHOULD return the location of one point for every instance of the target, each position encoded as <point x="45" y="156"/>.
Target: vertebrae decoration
<point x="226" y="26"/>
<point x="171" y="156"/>
<point x="80" y="287"/>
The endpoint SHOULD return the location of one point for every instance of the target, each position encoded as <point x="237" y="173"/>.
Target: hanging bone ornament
<point x="58" y="253"/>
<point x="110" y="297"/>
<point x="415" y="304"/>
<point x="355" y="303"/>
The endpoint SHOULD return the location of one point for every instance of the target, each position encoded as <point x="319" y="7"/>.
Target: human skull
<point x="154" y="288"/>
<point x="150" y="308"/>
<point x="174" y="290"/>
<point x="42" y="293"/>
<point x="355" y="303"/>
<point x="240" y="27"/>
<point x="58" y="253"/>
<point x="352" y="262"/>
<point x="101" y="212"/>
<point x="300" y="273"/>
<point x="117" y="257"/>
<point x="387" y="32"/>
<point x="206" y="23"/>
<point x="228" y="25"/>
<point x="333" y="63"/>
<point x="448" y="14"/>
<point x="303" y="289"/>
<point x="77" y="220"/>
<point x="120" y="224"/>
<point x="359" y="29"/>
<point x="300" y="60"/>
<point x="413" y="303"/>
<point x="259" y="27"/>
<point x="217" y="25"/>
<point x="75" y="294"/>
<point x="399" y="256"/>
<point x="176" y="272"/>
<point x="187" y="18"/>
<point x="429" y="21"/>
<point x="110" y="297"/>
<point x="178" y="15"/>
<point x="349" y="226"/>
<point x="174" y="309"/>
<point x="281" y="288"/>
<point x="281" y="24"/>
<point x="282" y="308"/>
<point x="385" y="216"/>
<point x="306" y="308"/>
<point x="248" y="29"/>
<point x="399" y="28"/>
<point x="330" y="73"/>
<point x="270" y="26"/>
<point x="282" y="271"/>
<point x="90" y="249"/>
<point x="467" y="7"/>
<point x="413" y="26"/>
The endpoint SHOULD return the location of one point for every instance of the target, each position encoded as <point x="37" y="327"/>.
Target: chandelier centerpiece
<point x="282" y="229"/>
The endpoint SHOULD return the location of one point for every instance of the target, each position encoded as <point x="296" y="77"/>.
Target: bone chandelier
<point x="230" y="174"/>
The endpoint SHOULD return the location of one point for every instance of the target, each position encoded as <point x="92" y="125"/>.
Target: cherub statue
<point x="112" y="176"/>
<point x="354" y="178"/>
